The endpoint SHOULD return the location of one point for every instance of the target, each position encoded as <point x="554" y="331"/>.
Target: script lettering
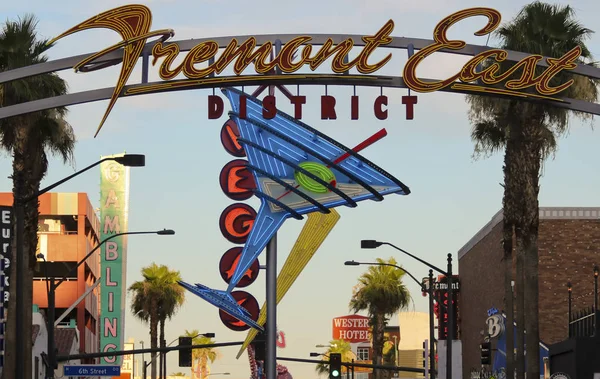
<point x="490" y="75"/>
<point x="442" y="42"/>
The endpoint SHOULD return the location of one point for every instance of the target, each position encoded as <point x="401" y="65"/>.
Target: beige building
<point x="414" y="329"/>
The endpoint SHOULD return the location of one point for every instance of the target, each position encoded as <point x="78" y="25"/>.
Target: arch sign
<point x="294" y="169"/>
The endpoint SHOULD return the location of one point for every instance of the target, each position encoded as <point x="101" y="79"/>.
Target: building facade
<point x="68" y="230"/>
<point x="569" y="247"/>
<point x="402" y="344"/>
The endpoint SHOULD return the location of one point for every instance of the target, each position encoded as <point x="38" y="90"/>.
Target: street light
<point x="130" y="160"/>
<point x="328" y="345"/>
<point x="52" y="364"/>
<point x="373" y="244"/>
<point x="431" y="316"/>
<point x="316" y="354"/>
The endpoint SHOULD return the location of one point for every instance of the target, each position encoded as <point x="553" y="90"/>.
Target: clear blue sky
<point x="453" y="195"/>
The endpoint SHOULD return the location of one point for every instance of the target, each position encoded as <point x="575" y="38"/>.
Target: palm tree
<point x="381" y="293"/>
<point x="528" y="133"/>
<point x="336" y="346"/>
<point x="29" y="138"/>
<point x="156" y="298"/>
<point x="201" y="357"/>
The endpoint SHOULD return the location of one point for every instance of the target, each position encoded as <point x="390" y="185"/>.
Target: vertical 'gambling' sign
<point x="114" y="214"/>
<point x="6" y="226"/>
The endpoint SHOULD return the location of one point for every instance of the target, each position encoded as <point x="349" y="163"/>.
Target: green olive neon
<point x="318" y="170"/>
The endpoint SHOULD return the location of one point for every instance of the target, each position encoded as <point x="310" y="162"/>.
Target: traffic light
<point x="486" y="353"/>
<point x="426" y="357"/>
<point x="185" y="355"/>
<point x="335" y="365"/>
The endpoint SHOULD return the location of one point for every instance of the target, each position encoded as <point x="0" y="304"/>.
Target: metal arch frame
<point x="253" y="80"/>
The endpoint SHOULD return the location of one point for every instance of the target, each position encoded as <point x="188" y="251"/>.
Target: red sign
<point x="236" y="180"/>
<point x="353" y="328"/>
<point x="247" y="302"/>
<point x="229" y="135"/>
<point x="441" y="312"/>
<point x="236" y="222"/>
<point x="229" y="262"/>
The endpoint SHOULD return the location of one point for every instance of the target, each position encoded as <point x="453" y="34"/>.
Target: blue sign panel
<point x="92" y="370"/>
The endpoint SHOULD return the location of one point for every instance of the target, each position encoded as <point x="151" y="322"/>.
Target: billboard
<point x="114" y="215"/>
<point x="353" y="328"/>
<point x="6" y="227"/>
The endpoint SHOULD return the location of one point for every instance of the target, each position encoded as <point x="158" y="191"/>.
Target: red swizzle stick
<point x="361" y="146"/>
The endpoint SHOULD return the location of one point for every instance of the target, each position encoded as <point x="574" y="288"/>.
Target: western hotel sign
<point x="133" y="23"/>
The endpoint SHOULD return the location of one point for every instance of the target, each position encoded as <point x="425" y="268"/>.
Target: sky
<point x="453" y="194"/>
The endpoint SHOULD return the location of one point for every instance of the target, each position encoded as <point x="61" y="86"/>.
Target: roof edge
<point x="546" y="213"/>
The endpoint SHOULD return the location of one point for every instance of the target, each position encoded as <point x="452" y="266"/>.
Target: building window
<point x="361" y="375"/>
<point x="362" y="353"/>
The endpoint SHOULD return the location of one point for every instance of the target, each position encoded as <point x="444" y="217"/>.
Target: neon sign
<point x="133" y="23"/>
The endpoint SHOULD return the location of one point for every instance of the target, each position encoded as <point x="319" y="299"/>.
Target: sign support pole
<point x="431" y="329"/>
<point x="270" y="365"/>
<point x="450" y="334"/>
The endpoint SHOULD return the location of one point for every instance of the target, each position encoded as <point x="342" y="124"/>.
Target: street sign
<point x="92" y="370"/>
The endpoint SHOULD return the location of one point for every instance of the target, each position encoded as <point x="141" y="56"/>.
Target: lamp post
<point x="372" y="244"/>
<point x="570" y="290"/>
<point x="130" y="160"/>
<point x="52" y="364"/>
<point x="431" y="316"/>
<point x="395" y="350"/>
<point x="596" y="270"/>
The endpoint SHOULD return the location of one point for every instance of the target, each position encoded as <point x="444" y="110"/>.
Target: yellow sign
<point x="317" y="228"/>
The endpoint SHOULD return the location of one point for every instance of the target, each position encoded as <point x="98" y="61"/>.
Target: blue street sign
<point x="92" y="370"/>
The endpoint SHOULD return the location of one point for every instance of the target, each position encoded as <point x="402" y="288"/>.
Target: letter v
<point x="132" y="22"/>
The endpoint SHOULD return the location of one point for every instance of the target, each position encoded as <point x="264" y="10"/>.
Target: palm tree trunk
<point x="378" y="335"/>
<point x="520" y="295"/>
<point x="531" y="216"/>
<point x="153" y="341"/>
<point x="509" y="206"/>
<point x="29" y="168"/>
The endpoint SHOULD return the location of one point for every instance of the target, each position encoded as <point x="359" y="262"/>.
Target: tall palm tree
<point x="29" y="138"/>
<point x="528" y="134"/>
<point x="171" y="299"/>
<point x="156" y="298"/>
<point x="201" y="357"/>
<point x="381" y="293"/>
<point x="341" y="347"/>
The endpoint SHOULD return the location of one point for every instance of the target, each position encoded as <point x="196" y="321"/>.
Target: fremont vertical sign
<point x="114" y="214"/>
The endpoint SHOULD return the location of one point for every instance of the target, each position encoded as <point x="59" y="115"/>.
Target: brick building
<point x="569" y="247"/>
<point x="68" y="230"/>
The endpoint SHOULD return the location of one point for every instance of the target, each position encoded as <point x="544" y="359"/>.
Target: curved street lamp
<point x="129" y="160"/>
<point x="51" y="288"/>
<point x="373" y="244"/>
